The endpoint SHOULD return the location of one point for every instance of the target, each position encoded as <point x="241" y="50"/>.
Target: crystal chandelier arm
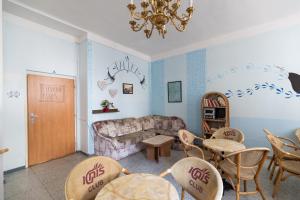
<point x="149" y="32"/>
<point x="137" y="27"/>
<point x="185" y="17"/>
<point x="180" y="28"/>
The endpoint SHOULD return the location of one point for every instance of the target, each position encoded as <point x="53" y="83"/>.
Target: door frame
<point x="55" y="75"/>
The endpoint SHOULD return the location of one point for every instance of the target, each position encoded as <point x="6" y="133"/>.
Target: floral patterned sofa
<point x="122" y="137"/>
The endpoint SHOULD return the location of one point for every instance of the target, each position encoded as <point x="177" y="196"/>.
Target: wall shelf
<point x="100" y="111"/>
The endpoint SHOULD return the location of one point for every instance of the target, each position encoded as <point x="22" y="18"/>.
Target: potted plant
<point x="105" y="105"/>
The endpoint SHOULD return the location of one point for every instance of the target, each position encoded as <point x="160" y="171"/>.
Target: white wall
<point x="1" y="105"/>
<point x="28" y="46"/>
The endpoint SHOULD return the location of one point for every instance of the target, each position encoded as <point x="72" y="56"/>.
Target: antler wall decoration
<point x="126" y="66"/>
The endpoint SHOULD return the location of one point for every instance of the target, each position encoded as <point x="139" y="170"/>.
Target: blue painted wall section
<point x="253" y="129"/>
<point x="158" y="91"/>
<point x="196" y="65"/>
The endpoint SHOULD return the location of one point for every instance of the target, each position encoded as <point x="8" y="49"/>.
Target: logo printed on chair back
<point x="229" y="133"/>
<point x="198" y="174"/>
<point x="98" y="170"/>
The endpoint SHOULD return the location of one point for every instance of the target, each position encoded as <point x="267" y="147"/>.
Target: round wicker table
<point x="138" y="186"/>
<point x="223" y="145"/>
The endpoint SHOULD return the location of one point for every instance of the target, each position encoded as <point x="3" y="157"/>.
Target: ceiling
<point x="212" y="18"/>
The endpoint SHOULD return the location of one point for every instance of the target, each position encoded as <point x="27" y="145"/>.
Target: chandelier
<point x="157" y="14"/>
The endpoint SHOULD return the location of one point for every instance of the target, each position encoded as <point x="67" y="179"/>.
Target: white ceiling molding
<point x="38" y="27"/>
<point x="96" y="38"/>
<point x="90" y="35"/>
<point x="249" y="32"/>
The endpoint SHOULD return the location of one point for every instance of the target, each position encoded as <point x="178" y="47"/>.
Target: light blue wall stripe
<point x="157" y="88"/>
<point x="196" y="64"/>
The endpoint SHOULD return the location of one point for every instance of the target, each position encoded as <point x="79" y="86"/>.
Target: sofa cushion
<point x="166" y="132"/>
<point x="162" y="122"/>
<point x="118" y="127"/>
<point x="132" y="138"/>
<point x="147" y="122"/>
<point x="177" y="124"/>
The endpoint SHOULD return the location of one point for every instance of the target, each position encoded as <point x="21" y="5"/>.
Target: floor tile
<point x="46" y="181"/>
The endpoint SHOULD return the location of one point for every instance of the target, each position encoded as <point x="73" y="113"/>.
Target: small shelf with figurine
<point x="107" y="107"/>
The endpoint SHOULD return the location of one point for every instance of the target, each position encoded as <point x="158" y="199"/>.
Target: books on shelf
<point x="206" y="127"/>
<point x="219" y="102"/>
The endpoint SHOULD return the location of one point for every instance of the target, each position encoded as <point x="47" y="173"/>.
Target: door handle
<point x="33" y="116"/>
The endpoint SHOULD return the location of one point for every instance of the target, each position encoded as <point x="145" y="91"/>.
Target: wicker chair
<point x="198" y="177"/>
<point x="293" y="148"/>
<point x="297" y="133"/>
<point x="89" y="176"/>
<point x="187" y="139"/>
<point x="244" y="165"/>
<point x="230" y="134"/>
<point x="287" y="162"/>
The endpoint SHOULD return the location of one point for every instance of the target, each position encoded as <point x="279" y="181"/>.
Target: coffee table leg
<point x="151" y="153"/>
<point x="156" y="154"/>
<point x="165" y="150"/>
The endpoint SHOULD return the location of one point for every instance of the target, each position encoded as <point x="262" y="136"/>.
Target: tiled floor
<point x="46" y="181"/>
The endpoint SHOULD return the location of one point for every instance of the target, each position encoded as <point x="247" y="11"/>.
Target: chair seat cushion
<point x="247" y="173"/>
<point x="292" y="166"/>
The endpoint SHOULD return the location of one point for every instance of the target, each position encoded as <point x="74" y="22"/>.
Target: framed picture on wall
<point x="174" y="92"/>
<point x="127" y="88"/>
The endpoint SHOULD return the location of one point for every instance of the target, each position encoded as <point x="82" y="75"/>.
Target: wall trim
<point x="117" y="46"/>
<point x="245" y="33"/>
<point x="38" y="27"/>
<point x="14" y="170"/>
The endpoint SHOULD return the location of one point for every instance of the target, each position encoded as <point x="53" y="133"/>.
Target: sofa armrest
<point x="103" y="138"/>
<point x="107" y="140"/>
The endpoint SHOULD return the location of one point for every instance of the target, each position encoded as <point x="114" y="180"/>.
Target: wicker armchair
<point x="287" y="162"/>
<point x="230" y="134"/>
<point x="187" y="139"/>
<point x="297" y="133"/>
<point x="244" y="165"/>
<point x="89" y="176"/>
<point x="293" y="148"/>
<point x="198" y="177"/>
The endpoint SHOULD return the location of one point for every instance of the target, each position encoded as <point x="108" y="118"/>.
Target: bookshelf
<point x="215" y="113"/>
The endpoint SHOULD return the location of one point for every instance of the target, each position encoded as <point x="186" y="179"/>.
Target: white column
<point x="1" y="105"/>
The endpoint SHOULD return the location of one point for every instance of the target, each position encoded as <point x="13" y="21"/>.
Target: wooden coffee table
<point x="159" y="145"/>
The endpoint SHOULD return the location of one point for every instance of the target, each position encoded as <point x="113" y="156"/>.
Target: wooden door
<point x="51" y="118"/>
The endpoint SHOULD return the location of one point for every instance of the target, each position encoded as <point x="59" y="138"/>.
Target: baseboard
<point x="14" y="170"/>
<point x="86" y="154"/>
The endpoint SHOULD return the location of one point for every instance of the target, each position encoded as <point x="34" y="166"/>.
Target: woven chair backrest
<point x="277" y="146"/>
<point x="186" y="137"/>
<point x="249" y="158"/>
<point x="297" y="133"/>
<point x="89" y="176"/>
<point x="229" y="133"/>
<point x="199" y="178"/>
